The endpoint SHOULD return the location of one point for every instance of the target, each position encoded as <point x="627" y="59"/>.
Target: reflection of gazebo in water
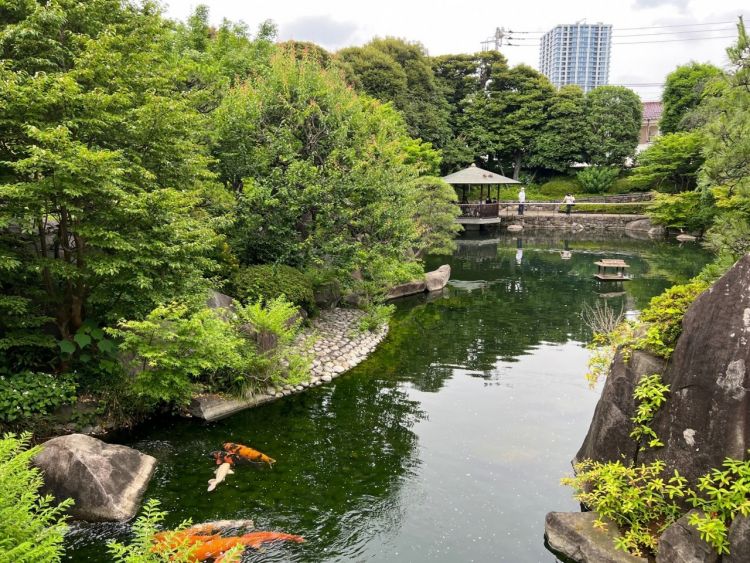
<point x="485" y="211"/>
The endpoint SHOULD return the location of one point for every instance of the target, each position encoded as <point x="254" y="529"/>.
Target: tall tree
<point x="562" y="138"/>
<point x="613" y="122"/>
<point x="683" y="91"/>
<point x="105" y="193"/>
<point x="672" y="162"/>
<point x="395" y="70"/>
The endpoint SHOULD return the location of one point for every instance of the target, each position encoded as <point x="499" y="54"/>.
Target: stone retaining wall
<point x="336" y="345"/>
<point x="581" y="222"/>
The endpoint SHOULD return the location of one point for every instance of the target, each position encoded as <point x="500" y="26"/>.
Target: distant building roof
<point x="651" y="111"/>
<point x="475" y="175"/>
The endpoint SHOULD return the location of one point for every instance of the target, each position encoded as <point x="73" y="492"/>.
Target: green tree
<point x="106" y="198"/>
<point x="613" y="121"/>
<point x="683" y="91"/>
<point x="671" y="163"/>
<point x="395" y="70"/>
<point x="32" y="527"/>
<point x="597" y="179"/>
<point x="321" y="172"/>
<point x="562" y="138"/>
<point x="435" y="215"/>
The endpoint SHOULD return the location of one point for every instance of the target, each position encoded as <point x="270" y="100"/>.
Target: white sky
<point x="455" y="26"/>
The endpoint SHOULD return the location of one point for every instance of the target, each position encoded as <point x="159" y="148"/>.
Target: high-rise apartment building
<point x="577" y="54"/>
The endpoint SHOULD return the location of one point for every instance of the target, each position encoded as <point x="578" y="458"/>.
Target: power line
<point x="509" y="44"/>
<point x="511" y="31"/>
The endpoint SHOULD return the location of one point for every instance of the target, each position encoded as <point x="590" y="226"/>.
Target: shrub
<point x="651" y="393"/>
<point x="621" y="209"/>
<point x="628" y="184"/>
<point x="663" y="317"/>
<point x="172" y="346"/>
<point x="728" y="494"/>
<point x="31" y="526"/>
<point x="269" y="281"/>
<point x="559" y="186"/>
<point x="375" y="316"/>
<point x="597" y="179"/>
<point x="28" y="394"/>
<point x="637" y="498"/>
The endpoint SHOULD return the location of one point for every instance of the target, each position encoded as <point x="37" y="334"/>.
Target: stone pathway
<point x="337" y="346"/>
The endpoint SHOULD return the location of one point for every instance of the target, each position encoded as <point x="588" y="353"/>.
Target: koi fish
<point x="256" y="539"/>
<point x="221" y="474"/>
<point x="216" y="548"/>
<point x="249" y="454"/>
<point x="224" y="457"/>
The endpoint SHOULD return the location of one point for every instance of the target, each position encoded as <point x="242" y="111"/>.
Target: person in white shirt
<point x="521" y="200"/>
<point x="569" y="200"/>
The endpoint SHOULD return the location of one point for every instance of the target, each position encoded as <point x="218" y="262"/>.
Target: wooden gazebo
<point x="480" y="212"/>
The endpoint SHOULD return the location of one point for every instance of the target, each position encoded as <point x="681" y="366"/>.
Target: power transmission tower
<point x="496" y="41"/>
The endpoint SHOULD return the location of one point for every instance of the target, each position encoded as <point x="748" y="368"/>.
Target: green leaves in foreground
<point x="651" y="393"/>
<point x="31" y="527"/>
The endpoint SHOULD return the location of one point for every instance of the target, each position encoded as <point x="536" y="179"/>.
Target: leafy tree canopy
<point x="613" y="119"/>
<point x="683" y="91"/>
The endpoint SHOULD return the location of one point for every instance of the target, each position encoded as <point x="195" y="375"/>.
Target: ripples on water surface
<point x="448" y="443"/>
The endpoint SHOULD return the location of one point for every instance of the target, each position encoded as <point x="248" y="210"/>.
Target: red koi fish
<point x="256" y="539"/>
<point x="224" y="457"/>
<point x="248" y="454"/>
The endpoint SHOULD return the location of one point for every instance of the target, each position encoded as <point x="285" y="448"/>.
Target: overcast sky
<point x="459" y="26"/>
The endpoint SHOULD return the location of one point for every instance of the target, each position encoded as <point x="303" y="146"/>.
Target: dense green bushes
<point x="268" y="281"/>
<point x="31" y="527"/>
<point x="597" y="179"/>
<point x="30" y="394"/>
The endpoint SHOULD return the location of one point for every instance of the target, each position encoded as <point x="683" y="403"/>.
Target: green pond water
<point x="448" y="443"/>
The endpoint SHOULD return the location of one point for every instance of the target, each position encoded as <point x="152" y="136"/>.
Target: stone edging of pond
<point x="336" y="345"/>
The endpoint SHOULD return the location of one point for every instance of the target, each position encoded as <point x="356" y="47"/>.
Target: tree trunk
<point x="517" y="166"/>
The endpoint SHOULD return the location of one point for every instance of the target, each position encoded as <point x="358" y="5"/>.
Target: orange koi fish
<point x="248" y="454"/>
<point x="199" y="533"/>
<point x="256" y="539"/>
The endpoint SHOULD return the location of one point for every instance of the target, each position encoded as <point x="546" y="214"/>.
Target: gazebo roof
<point x="475" y="175"/>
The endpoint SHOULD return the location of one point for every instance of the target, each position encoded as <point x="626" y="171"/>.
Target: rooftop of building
<point x="652" y="110"/>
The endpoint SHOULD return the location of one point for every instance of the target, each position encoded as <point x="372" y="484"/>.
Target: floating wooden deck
<point x="611" y="270"/>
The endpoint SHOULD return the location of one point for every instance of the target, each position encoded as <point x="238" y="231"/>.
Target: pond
<point x="448" y="443"/>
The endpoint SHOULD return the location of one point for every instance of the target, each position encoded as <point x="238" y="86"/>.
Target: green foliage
<point x="266" y="282"/>
<point x="326" y="182"/>
<point x="435" y="216"/>
<point x="692" y="211"/>
<point x="671" y="163"/>
<point x="173" y="345"/>
<point x="375" y="317"/>
<point x="141" y="546"/>
<point x="597" y="179"/>
<point x="613" y="122"/>
<point x="726" y="493"/>
<point x="394" y="70"/>
<point x="562" y="139"/>
<point x="604" y="346"/>
<point x="25" y="395"/>
<point x="637" y="498"/>
<point x="32" y="527"/>
<point x="622" y="209"/>
<point x="663" y="317"/>
<point x="683" y="91"/>
<point x="559" y="186"/>
<point x="650" y="393"/>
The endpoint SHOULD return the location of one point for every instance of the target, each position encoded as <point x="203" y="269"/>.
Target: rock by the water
<point x="704" y="419"/>
<point x="739" y="541"/>
<point x="408" y="288"/>
<point x="682" y="543"/>
<point x="686" y="238"/>
<point x="608" y="438"/>
<point x="515" y="227"/>
<point x="438" y="279"/>
<point x="573" y="535"/>
<point x="105" y="480"/>
<point x="215" y="407"/>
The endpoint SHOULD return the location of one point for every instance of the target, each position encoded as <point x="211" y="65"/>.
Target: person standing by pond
<point x="569" y="200"/>
<point x="521" y="200"/>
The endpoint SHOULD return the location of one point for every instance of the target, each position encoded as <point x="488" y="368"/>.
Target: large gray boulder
<point x="438" y="279"/>
<point x="682" y="543"/>
<point x="739" y="541"/>
<point x="705" y="417"/>
<point x="408" y="288"/>
<point x="573" y="535"/>
<point x="608" y="438"/>
<point x="106" y="481"/>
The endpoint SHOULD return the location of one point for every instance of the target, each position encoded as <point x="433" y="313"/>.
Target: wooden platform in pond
<point x="617" y="265"/>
